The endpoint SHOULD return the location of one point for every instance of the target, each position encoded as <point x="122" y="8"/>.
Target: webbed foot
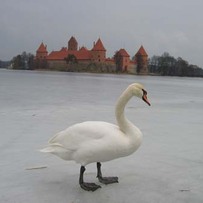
<point x="105" y="180"/>
<point x="89" y="186"/>
<point x="108" y="180"/>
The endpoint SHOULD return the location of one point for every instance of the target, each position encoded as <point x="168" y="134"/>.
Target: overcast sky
<point x="173" y="26"/>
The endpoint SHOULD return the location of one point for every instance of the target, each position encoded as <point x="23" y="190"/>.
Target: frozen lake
<point x="168" y="167"/>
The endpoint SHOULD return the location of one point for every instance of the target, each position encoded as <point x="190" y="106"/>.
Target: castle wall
<point x="57" y="64"/>
<point x="98" y="56"/>
<point x="125" y="63"/>
<point x="132" y="68"/>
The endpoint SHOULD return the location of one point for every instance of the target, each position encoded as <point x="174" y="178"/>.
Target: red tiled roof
<point x="63" y="49"/>
<point x="42" y="48"/>
<point x="141" y="52"/>
<point x="123" y="52"/>
<point x="98" y="46"/>
<point x="82" y="54"/>
<point x="57" y="55"/>
<point x="83" y="48"/>
<point x="109" y="59"/>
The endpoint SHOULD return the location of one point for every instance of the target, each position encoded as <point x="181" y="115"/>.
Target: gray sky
<point x="174" y="26"/>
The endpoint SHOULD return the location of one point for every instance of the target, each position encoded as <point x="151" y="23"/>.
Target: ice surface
<point x="167" y="168"/>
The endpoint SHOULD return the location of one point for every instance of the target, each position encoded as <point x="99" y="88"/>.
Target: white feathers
<point x="97" y="141"/>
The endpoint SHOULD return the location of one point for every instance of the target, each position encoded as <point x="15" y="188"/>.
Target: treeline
<point x="24" y="61"/>
<point x="167" y="65"/>
<point x="27" y="61"/>
<point x="4" y="64"/>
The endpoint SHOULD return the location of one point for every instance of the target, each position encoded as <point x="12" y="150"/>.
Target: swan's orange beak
<point x="144" y="97"/>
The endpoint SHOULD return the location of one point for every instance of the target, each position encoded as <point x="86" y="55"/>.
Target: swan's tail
<point x="58" y="150"/>
<point x="52" y="148"/>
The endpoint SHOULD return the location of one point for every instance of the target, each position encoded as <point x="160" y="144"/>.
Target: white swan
<point x="97" y="141"/>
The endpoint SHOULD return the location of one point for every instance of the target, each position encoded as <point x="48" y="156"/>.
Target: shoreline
<point x="99" y="73"/>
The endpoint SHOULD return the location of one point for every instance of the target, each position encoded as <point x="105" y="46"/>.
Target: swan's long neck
<point x="123" y="123"/>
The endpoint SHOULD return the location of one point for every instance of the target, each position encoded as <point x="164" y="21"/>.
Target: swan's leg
<point x="105" y="180"/>
<point x="86" y="186"/>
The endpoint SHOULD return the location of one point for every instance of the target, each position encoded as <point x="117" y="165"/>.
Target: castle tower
<point x="41" y="52"/>
<point x="122" y="60"/>
<point x="141" y="58"/>
<point x="72" y="44"/>
<point x="98" y="51"/>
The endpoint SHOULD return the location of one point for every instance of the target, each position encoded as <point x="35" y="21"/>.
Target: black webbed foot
<point x="108" y="180"/>
<point x="105" y="180"/>
<point x="89" y="186"/>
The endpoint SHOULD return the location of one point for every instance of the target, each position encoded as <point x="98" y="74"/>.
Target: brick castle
<point x="92" y="58"/>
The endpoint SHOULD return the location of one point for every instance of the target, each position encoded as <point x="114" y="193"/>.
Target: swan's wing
<point x="74" y="136"/>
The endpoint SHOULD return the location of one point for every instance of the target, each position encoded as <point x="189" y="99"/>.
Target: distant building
<point x="72" y="44"/>
<point x="123" y="61"/>
<point x="41" y="57"/>
<point x="42" y="52"/>
<point x="96" y="55"/>
<point x="141" y="58"/>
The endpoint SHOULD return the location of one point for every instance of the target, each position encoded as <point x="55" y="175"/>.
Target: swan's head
<point x="139" y="91"/>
